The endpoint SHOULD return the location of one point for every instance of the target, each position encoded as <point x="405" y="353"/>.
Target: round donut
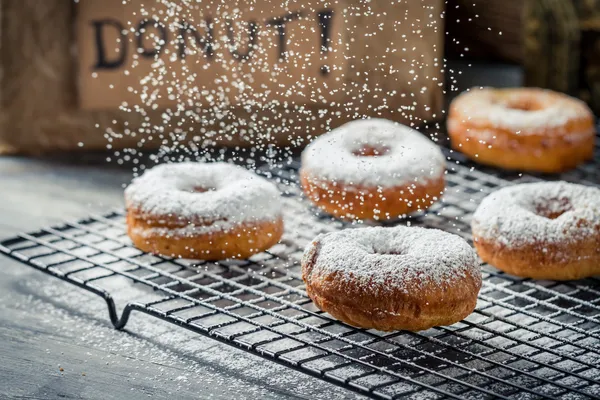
<point x="525" y="129"/>
<point x="209" y="211"/>
<point x="392" y="278"/>
<point x="548" y="230"/>
<point x="372" y="169"/>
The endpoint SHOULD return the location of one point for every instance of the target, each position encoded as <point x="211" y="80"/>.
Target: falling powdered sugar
<point x="392" y="259"/>
<point x="547" y="212"/>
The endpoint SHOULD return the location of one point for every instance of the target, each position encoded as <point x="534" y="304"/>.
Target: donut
<point x="526" y="129"/>
<point x="372" y="169"/>
<point x="546" y="230"/>
<point x="396" y="278"/>
<point x="209" y="211"/>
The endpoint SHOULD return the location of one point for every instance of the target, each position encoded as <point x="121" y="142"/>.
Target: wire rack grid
<point x="526" y="339"/>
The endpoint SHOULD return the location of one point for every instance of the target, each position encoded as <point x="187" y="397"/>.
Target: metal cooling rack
<point x="526" y="339"/>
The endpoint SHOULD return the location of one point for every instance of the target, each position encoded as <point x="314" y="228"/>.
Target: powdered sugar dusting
<point x="484" y="107"/>
<point x="397" y="258"/>
<point x="409" y="157"/>
<point x="232" y="195"/>
<point x="550" y="212"/>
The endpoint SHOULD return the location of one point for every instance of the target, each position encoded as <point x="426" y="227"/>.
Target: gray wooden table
<point x="57" y="342"/>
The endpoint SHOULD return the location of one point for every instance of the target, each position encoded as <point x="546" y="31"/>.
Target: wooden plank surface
<point x="47" y="325"/>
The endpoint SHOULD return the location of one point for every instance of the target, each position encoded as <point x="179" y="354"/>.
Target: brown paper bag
<point x="71" y="73"/>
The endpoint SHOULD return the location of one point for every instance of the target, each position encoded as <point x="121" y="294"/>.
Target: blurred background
<point x="84" y="76"/>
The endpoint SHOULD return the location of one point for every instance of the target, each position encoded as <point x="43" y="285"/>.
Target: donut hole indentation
<point x="553" y="208"/>
<point x="387" y="251"/>
<point x="524" y="103"/>
<point x="371" y="151"/>
<point x="201" y="189"/>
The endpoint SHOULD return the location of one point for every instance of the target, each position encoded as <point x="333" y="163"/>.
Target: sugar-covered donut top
<point x="204" y="193"/>
<point x="397" y="258"/>
<point x="520" y="110"/>
<point x="396" y="155"/>
<point x="545" y="212"/>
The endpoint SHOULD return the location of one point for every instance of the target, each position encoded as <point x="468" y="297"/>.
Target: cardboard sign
<point x="233" y="52"/>
<point x="316" y="63"/>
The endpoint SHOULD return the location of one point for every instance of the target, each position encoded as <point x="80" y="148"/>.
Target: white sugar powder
<point x="233" y="195"/>
<point x="392" y="258"/>
<point x="410" y="156"/>
<point x="519" y="214"/>
<point x="486" y="107"/>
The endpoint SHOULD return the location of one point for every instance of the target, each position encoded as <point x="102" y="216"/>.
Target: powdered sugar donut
<point x="392" y="278"/>
<point x="372" y="169"/>
<point x="209" y="211"/>
<point x="547" y="230"/>
<point x="525" y="129"/>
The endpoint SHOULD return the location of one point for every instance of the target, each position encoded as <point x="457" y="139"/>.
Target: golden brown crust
<point x="550" y="150"/>
<point x="414" y="307"/>
<point x="241" y="241"/>
<point x="562" y="261"/>
<point x="360" y="202"/>
<point x="525" y="153"/>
